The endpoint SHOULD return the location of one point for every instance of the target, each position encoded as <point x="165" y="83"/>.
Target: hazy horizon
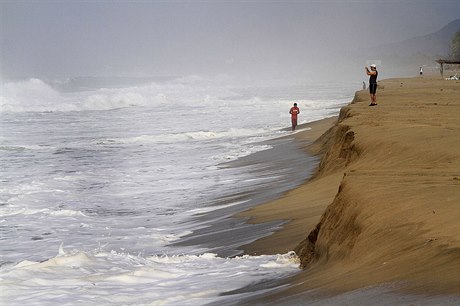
<point x="251" y="38"/>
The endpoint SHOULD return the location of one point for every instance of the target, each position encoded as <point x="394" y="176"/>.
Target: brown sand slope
<point x="384" y="205"/>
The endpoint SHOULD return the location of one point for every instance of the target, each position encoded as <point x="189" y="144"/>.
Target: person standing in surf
<point x="294" y="111"/>
<point x="373" y="73"/>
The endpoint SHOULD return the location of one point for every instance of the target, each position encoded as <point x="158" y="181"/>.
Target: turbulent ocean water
<point x="120" y="191"/>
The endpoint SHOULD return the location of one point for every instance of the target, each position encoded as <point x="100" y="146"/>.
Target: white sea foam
<point x="80" y="278"/>
<point x="12" y="210"/>
<point x="202" y="210"/>
<point x="186" y="136"/>
<point x="238" y="152"/>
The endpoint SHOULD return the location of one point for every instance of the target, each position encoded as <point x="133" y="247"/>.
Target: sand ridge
<point x="384" y="204"/>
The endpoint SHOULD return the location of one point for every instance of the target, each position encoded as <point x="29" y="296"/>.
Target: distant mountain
<point x="436" y="44"/>
<point x="404" y="58"/>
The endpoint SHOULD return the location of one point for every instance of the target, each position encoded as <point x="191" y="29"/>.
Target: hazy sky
<point x="68" y="38"/>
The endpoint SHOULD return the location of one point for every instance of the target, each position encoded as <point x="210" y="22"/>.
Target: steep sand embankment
<point x="384" y="205"/>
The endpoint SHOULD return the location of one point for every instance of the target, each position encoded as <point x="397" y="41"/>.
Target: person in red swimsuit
<point x="294" y="111"/>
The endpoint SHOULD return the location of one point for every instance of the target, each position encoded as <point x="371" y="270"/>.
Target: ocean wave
<point x="240" y="151"/>
<point x="20" y="148"/>
<point x="182" y="137"/>
<point x="14" y="210"/>
<point x="31" y="95"/>
<point x="155" y="278"/>
<point x="35" y="95"/>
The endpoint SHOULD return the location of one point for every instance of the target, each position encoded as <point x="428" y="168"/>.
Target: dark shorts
<point x="373" y="88"/>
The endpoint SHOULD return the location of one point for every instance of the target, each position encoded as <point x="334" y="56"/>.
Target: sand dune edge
<point x="391" y="202"/>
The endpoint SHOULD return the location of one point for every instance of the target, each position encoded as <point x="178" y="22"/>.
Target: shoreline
<point x="286" y="239"/>
<point x="275" y="171"/>
<point x="383" y="200"/>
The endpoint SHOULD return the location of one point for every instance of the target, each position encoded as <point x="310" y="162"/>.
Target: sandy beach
<point x="383" y="207"/>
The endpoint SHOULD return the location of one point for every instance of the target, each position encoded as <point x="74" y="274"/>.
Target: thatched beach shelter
<point x="448" y="62"/>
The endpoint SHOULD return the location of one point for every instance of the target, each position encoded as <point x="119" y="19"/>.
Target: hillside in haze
<point x="405" y="57"/>
<point x="436" y="44"/>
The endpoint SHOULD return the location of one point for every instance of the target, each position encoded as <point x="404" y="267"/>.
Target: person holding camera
<point x="372" y="73"/>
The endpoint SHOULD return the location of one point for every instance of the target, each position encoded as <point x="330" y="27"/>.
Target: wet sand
<point x="383" y="208"/>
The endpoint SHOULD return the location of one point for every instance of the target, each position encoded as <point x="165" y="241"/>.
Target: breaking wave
<point x="35" y="95"/>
